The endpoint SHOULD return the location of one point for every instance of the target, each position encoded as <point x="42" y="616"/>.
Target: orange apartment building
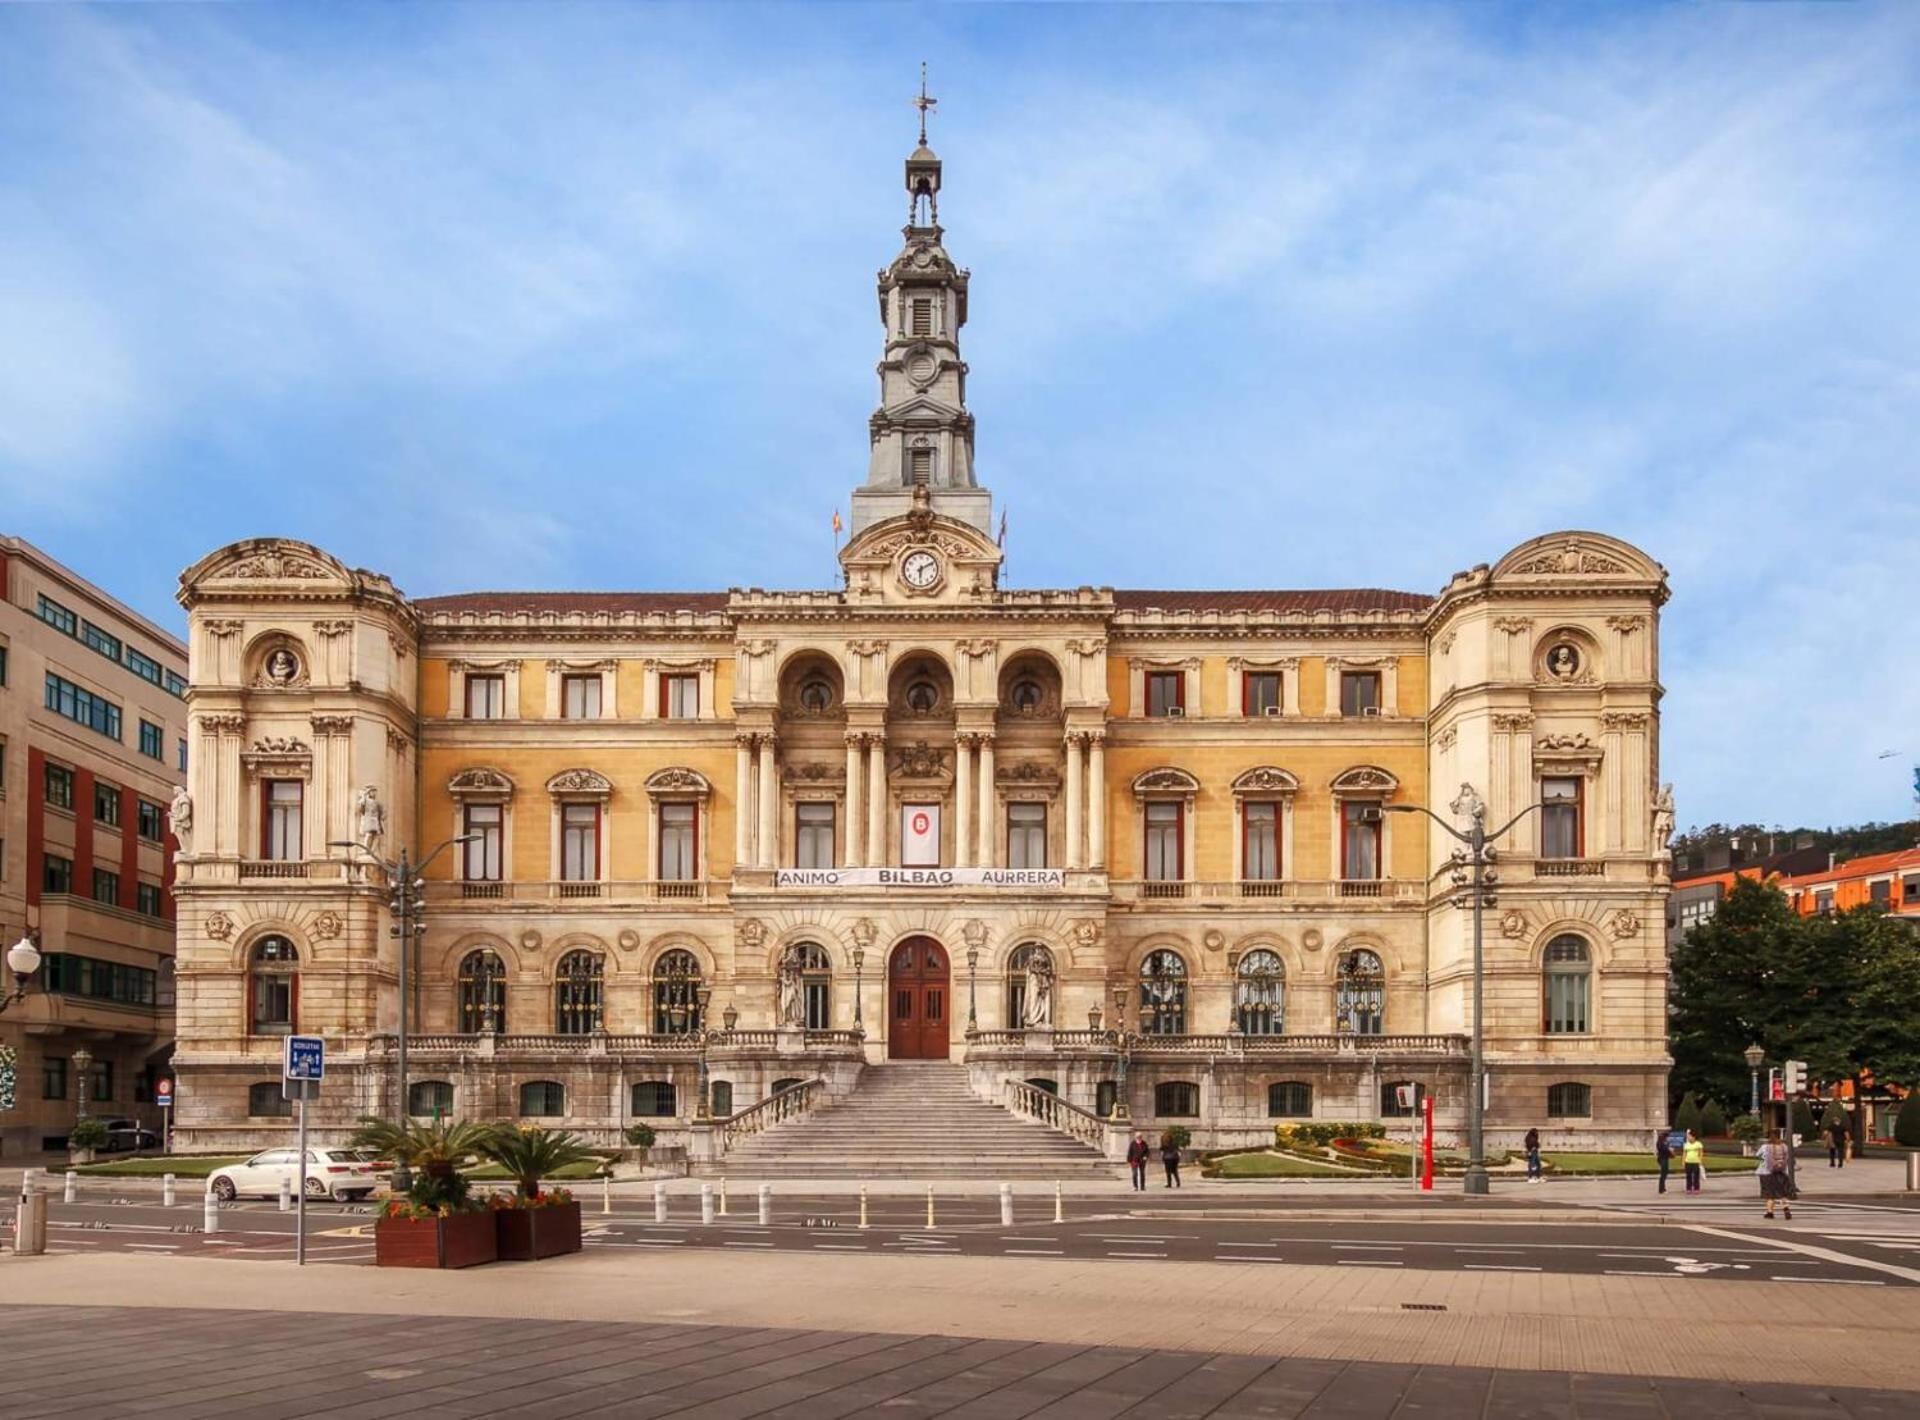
<point x="1889" y="881"/>
<point x="93" y="740"/>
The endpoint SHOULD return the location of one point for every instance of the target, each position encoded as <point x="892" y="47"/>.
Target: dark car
<point x="124" y="1136"/>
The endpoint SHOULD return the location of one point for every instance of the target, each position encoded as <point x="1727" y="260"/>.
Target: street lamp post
<point x="23" y="957"/>
<point x="1755" y="1057"/>
<point x="83" y="1069"/>
<point x="1472" y="870"/>
<point x="1123" y="1044"/>
<point x="973" y="1015"/>
<point x="859" y="959"/>
<point x="703" y="1108"/>
<point x="406" y="888"/>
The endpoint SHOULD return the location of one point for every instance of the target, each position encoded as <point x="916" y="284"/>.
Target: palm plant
<point x="531" y="1153"/>
<point x="435" y="1149"/>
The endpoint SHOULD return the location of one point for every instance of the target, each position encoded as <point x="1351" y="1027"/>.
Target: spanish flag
<point x="836" y="522"/>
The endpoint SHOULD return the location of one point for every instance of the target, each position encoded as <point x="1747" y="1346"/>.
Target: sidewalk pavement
<point x="1641" y="1326"/>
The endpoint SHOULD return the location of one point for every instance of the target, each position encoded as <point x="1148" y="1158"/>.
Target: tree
<point x="1688" y="1115"/>
<point x="1906" y="1124"/>
<point x="1729" y="976"/>
<point x="1713" y="1121"/>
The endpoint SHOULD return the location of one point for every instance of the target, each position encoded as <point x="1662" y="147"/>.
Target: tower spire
<point x="925" y="103"/>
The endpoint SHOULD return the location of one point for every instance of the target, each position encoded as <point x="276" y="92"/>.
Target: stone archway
<point x="919" y="1001"/>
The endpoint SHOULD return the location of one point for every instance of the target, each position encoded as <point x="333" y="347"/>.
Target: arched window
<point x="1163" y="994"/>
<point x="1176" y="1099"/>
<point x="1360" y="997"/>
<point x="1569" y="972"/>
<point x="577" y="985"/>
<point x="1030" y="983"/>
<point x="1290" y="1099"/>
<point x="483" y="993"/>
<point x="543" y="1099"/>
<point x="1259" y="993"/>
<point x="1393" y="1106"/>
<point x="1569" y="1100"/>
<point x="815" y="973"/>
<point x="267" y="1100"/>
<point x="655" y="1099"/>
<point x="676" y="993"/>
<point x="430" y="1099"/>
<point x="273" y="987"/>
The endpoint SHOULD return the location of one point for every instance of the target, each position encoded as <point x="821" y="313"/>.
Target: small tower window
<point x="922" y="316"/>
<point x="920" y="466"/>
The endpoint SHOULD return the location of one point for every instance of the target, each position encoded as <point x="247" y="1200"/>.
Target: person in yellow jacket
<point x="1694" y="1155"/>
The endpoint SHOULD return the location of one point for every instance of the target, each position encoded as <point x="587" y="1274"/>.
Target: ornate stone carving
<point x="1446" y="643"/>
<point x="1513" y="625"/>
<point x="678" y="781"/>
<point x="332" y="724"/>
<point x="272" y="567"/>
<point x="479" y="780"/>
<point x="223" y="626"/>
<point x="1213" y="939"/>
<point x="397" y="742"/>
<point x="867" y="648"/>
<point x="628" y="939"/>
<point x="864" y="932"/>
<point x="327" y="630"/>
<point x="1627" y="625"/>
<point x="369" y="818"/>
<point x="1571" y="558"/>
<point x="282" y="670"/>
<point x="1663" y="822"/>
<point x="1624" y="924"/>
<point x="1514" y="723"/>
<point x="530" y="940"/>
<point x="1166" y="780"/>
<point x="920" y="761"/>
<point x="326" y="926"/>
<point x="1513" y="925"/>
<point x="583" y="782"/>
<point x="974" y="932"/>
<point x="1565" y="744"/>
<point x="1266" y="779"/>
<point x="980" y="646"/>
<point x="1563" y="661"/>
<point x="1446" y="739"/>
<point x="1086" y="932"/>
<point x="1625" y="719"/>
<point x="1364" y="779"/>
<point x="751" y="933"/>
<point x="281" y="744"/>
<point x="218" y="926"/>
<point x="180" y="818"/>
<point x="1312" y="939"/>
<point x="223" y="724"/>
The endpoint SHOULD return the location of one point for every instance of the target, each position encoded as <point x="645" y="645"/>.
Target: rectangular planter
<point x="527" y="1234"/>
<point x="464" y="1240"/>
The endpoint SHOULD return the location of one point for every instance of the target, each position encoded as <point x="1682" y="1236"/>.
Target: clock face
<point x="921" y="570"/>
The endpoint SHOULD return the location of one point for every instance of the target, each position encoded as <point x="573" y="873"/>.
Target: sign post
<point x="1426" y="1163"/>
<point x="163" y="1096"/>
<point x="304" y="1066"/>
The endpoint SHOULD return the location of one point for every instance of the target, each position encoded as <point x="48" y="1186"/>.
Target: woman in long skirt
<point x="1776" y="1173"/>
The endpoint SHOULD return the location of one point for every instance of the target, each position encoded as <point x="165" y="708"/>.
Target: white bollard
<point x="766" y="1204"/>
<point x="210" y="1223"/>
<point x="1059" y="1208"/>
<point x="166" y="1190"/>
<point x="606" y="1193"/>
<point x="929" y="1205"/>
<point x="286" y="1196"/>
<point x="660" y="1202"/>
<point x="72" y="1183"/>
<point x="863" y="1205"/>
<point x="1006" y="1205"/>
<point x="723" y="1196"/>
<point x="706" y="1203"/>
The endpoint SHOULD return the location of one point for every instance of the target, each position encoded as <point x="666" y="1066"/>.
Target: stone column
<point x="1096" y="801"/>
<point x="989" y="857"/>
<point x="876" y="801"/>
<point x="769" y="804"/>
<point x="1076" y="791"/>
<point x="232" y="810"/>
<point x="963" y="801"/>
<point x="856" y="812"/>
<point x="742" y="801"/>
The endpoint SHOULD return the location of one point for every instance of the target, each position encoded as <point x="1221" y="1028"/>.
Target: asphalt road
<point x="1830" y="1245"/>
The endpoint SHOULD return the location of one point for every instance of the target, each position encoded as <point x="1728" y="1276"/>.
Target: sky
<point x="517" y="296"/>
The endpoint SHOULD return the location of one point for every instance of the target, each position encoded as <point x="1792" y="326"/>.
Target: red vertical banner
<point x="1426" y="1148"/>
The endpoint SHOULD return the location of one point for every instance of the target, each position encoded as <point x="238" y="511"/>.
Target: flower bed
<point x="545" y="1225"/>
<point x="408" y="1237"/>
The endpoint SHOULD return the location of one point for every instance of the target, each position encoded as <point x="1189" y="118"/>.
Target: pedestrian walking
<point x="1663" y="1155"/>
<point x="1532" y="1146"/>
<point x="1776" y="1173"/>
<point x="1694" y="1155"/>
<point x="1137" y="1155"/>
<point x="1837" y="1144"/>
<point x="1170" y="1156"/>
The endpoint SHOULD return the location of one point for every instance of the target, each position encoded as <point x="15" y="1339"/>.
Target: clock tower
<point x="922" y="434"/>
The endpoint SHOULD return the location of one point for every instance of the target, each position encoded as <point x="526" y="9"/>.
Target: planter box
<point x="528" y="1234"/>
<point x="464" y="1240"/>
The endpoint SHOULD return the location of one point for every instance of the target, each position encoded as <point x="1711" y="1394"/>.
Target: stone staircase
<point x="913" y="1119"/>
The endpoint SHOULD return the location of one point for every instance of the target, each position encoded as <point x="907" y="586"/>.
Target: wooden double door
<point x="920" y="992"/>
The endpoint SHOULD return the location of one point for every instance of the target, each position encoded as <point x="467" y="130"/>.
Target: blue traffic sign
<point x="306" y="1058"/>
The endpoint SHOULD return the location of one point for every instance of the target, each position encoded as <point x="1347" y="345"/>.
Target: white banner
<point x="920" y="877"/>
<point x="920" y="835"/>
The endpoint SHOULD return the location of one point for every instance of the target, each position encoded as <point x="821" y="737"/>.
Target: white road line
<point x="746" y="1244"/>
<point x="1832" y="1281"/>
<point x="1497" y="1267"/>
<point x="1355" y="1262"/>
<point x="1367" y="1247"/>
<point x="1035" y="1252"/>
<point x="1867" y="1264"/>
<point x="1136" y="1254"/>
<point x="1612" y="1272"/>
<point x="1230" y="1257"/>
<point x="1503" y="1251"/>
<point x="1144" y="1237"/>
<point x="842" y="1247"/>
<point x="1014" y="1237"/>
<point x="155" y="1247"/>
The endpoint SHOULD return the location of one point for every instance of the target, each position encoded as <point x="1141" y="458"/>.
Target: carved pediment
<point x="679" y="783"/>
<point x="920" y="761"/>
<point x="281" y="756"/>
<point x="480" y="782"/>
<point x="1364" y="779"/>
<point x="580" y="784"/>
<point x="1266" y="779"/>
<point x="1578" y="554"/>
<point x="1167" y="780"/>
<point x="267" y="559"/>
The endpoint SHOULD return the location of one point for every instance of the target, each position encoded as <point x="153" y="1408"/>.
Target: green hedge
<point x="1321" y="1136"/>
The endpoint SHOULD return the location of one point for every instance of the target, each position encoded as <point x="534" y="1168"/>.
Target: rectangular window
<point x="3" y="663"/>
<point x="920" y="835"/>
<point x="1166" y="692"/>
<point x="145" y="667"/>
<point x="105" y="642"/>
<point x="59" y="786"/>
<point x="1823" y="902"/>
<point x="1401" y="1099"/>
<point x="83" y="706"/>
<point x="183" y="756"/>
<point x="920" y="466"/>
<point x="1359" y="840"/>
<point x="1567" y="1002"/>
<point x="272" y="1012"/>
<point x="482" y="856"/>
<point x="58" y="617"/>
<point x="106" y="887"/>
<point x="150" y="821"/>
<point x="106" y="804"/>
<point x="1026" y="835"/>
<point x="1260" y="693"/>
<point x="53" y="1078"/>
<point x="679" y="842"/>
<point x="813" y="835"/>
<point x="1910" y="891"/>
<point x="176" y="684"/>
<point x="56" y="874"/>
<point x="1261" y="830"/>
<point x="486" y="697"/>
<point x="268" y="1100"/>
<point x="281" y="839"/>
<point x="102" y="1080"/>
<point x="1880" y="894"/>
<point x="680" y="697"/>
<point x="580" y="843"/>
<point x="580" y="697"/>
<point x="146" y="900"/>
<point x="1164" y="847"/>
<point x="1359" y="693"/>
<point x="922" y="317"/>
<point x="1569" y="1101"/>
<point x="153" y="740"/>
<point x="1562" y="833"/>
<point x="113" y="982"/>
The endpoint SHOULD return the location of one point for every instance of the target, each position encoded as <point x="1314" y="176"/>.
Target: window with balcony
<point x="1165" y="828"/>
<point x="580" y="697"/>
<point x="483" y="855"/>
<point x="482" y="988"/>
<point x="1360" y="826"/>
<point x="1260" y="693"/>
<point x="486" y="697"/>
<point x="1260" y="841"/>
<point x="1166" y="692"/>
<point x="1359" y="693"/>
<point x="543" y="1099"/>
<point x="1360" y="994"/>
<point x="1562" y="818"/>
<point x="106" y="804"/>
<point x="809" y="964"/>
<point x="1259" y="993"/>
<point x="1163" y="993"/>
<point x="1026" y="835"/>
<point x="281" y="840"/>
<point x="813" y="835"/>
<point x="1290" y="1099"/>
<point x="59" y="786"/>
<point x="578" y="983"/>
<point x="679" y="697"/>
<point x="1569" y="1100"/>
<point x="1569" y="986"/>
<point x="680" y="842"/>
<point x="273" y="987"/>
<point x="580" y="843"/>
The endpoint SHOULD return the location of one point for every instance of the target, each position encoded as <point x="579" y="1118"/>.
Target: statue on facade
<point x="282" y="667"/>
<point x="1037" y="1000"/>
<point x="1563" y="662"/>
<point x="792" y="1008"/>
<point x="369" y="818"/>
<point x="1663" y="822"/>
<point x="180" y="817"/>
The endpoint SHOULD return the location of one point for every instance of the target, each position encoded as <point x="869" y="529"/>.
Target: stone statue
<point x="1563" y="662"/>
<point x="793" y="1011"/>
<point x="180" y="817"/>
<point x="282" y="668"/>
<point x="369" y="818"/>
<point x="1663" y="822"/>
<point x="1037" y="1005"/>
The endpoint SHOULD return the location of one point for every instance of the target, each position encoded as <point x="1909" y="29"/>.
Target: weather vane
<point x="924" y="103"/>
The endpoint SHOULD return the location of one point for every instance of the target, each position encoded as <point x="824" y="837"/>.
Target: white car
<point x="339" y="1174"/>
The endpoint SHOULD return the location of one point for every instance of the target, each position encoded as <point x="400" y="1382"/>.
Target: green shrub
<point x="1748" y="1129"/>
<point x="530" y="1153"/>
<point x="1803" y="1117"/>
<point x="1688" y="1115"/>
<point x="88" y="1133"/>
<point x="1906" y="1124"/>
<point x="641" y="1136"/>
<point x="1177" y="1135"/>
<point x="1713" y="1121"/>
